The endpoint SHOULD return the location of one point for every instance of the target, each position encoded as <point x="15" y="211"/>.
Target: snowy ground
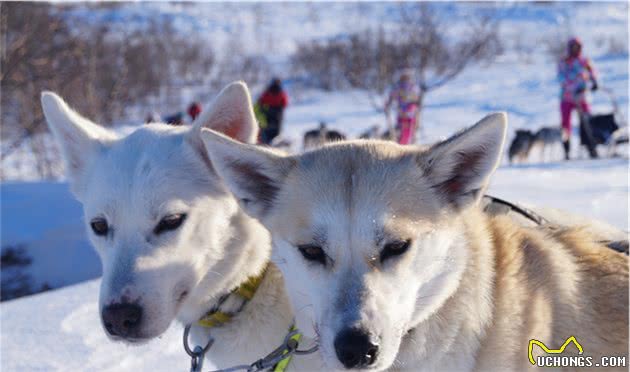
<point x="42" y="333"/>
<point x="60" y="330"/>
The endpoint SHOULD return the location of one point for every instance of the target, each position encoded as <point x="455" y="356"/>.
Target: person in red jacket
<point x="272" y="104"/>
<point x="194" y="110"/>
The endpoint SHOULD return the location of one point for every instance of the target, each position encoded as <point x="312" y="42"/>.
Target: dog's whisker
<point x="216" y="273"/>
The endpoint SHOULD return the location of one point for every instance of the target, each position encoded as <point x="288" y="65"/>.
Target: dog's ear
<point x="253" y="174"/>
<point x="459" y="167"/>
<point x="231" y="113"/>
<point x="79" y="138"/>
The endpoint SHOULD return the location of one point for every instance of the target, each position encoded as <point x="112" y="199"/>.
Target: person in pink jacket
<point x="574" y="73"/>
<point x="406" y="96"/>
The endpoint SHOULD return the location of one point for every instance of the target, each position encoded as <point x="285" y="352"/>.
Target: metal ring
<point x="192" y="353"/>
<point x="292" y="345"/>
<point x="307" y="351"/>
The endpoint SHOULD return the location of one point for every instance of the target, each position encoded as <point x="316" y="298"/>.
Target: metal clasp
<point x="198" y="353"/>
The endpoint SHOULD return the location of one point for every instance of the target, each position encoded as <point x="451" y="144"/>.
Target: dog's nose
<point x="122" y="319"/>
<point x="354" y="348"/>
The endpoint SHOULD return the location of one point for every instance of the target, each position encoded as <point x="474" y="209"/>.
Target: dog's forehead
<point x="358" y="189"/>
<point x="148" y="167"/>
<point x="356" y="164"/>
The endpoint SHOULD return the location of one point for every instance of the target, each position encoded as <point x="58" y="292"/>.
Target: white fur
<point x="159" y="170"/>
<point x="343" y="200"/>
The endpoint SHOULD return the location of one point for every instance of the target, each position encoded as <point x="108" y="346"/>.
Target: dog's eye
<point x="99" y="226"/>
<point x="170" y="222"/>
<point x="313" y="253"/>
<point x="395" y="248"/>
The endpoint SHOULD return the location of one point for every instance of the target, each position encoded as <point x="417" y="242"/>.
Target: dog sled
<point x="602" y="129"/>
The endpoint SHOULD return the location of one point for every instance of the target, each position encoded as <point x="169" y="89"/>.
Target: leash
<point x="279" y="359"/>
<point x="620" y="246"/>
<point x="198" y="353"/>
<point x="527" y="213"/>
<point x="216" y="317"/>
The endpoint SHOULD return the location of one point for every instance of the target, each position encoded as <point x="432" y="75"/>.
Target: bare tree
<point x="371" y="59"/>
<point x="425" y="44"/>
<point x="100" y="71"/>
<point x="26" y="51"/>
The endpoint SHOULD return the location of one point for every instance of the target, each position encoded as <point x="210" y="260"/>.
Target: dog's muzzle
<point x="355" y="349"/>
<point x="122" y="319"/>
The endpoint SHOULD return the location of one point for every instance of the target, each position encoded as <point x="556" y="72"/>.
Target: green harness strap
<point x="246" y="291"/>
<point x="283" y="364"/>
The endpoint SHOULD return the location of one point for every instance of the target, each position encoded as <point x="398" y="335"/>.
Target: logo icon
<point x="552" y="351"/>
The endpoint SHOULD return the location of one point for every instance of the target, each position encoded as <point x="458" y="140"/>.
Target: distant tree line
<point x="110" y="71"/>
<point x="101" y="70"/>
<point x="15" y="281"/>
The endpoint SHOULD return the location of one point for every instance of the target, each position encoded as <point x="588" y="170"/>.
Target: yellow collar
<point x="245" y="292"/>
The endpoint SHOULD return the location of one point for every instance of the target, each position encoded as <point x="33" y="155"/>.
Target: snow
<point x="60" y="330"/>
<point x="597" y="189"/>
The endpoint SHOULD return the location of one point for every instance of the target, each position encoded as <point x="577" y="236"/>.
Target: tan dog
<point x="387" y="250"/>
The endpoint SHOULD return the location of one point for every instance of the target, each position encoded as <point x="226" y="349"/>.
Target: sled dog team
<point x="381" y="255"/>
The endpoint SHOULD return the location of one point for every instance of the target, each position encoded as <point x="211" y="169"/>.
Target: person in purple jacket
<point x="406" y="96"/>
<point x="574" y="73"/>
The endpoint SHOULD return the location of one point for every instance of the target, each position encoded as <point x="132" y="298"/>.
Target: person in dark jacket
<point x="272" y="104"/>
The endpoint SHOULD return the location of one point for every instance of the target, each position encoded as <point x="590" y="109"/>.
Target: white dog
<point x="401" y="268"/>
<point x="172" y="240"/>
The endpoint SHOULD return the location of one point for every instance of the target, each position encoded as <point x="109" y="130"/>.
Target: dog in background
<point x="525" y="140"/>
<point x="282" y="143"/>
<point x="521" y="145"/>
<point x="618" y="137"/>
<point x="546" y="138"/>
<point x="320" y="136"/>
<point x="372" y="132"/>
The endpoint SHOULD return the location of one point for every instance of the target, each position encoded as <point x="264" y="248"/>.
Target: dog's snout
<point x="122" y="320"/>
<point x="355" y="349"/>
